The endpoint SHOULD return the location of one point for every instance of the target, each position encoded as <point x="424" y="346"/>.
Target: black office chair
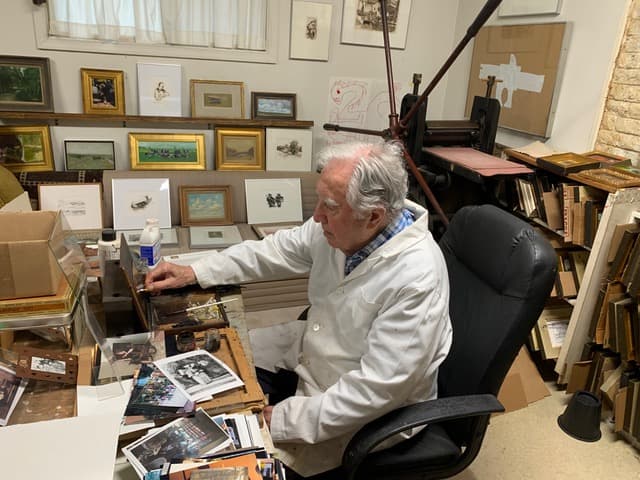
<point x="501" y="272"/>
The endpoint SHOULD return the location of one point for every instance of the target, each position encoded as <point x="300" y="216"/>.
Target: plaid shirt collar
<point x="402" y="221"/>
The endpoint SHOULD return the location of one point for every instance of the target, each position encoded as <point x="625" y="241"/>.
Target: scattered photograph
<point x="130" y="351"/>
<point x="25" y="84"/>
<point x="89" y="155"/>
<point x="11" y="389"/>
<point x="48" y="365"/>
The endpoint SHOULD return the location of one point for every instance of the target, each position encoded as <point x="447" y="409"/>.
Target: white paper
<point x="557" y="331"/>
<point x="19" y="204"/>
<point x="536" y="149"/>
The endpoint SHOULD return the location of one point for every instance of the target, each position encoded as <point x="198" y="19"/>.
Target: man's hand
<point x="169" y="275"/>
<point x="266" y="413"/>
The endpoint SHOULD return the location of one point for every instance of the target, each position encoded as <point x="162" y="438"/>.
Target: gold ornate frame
<point x="109" y="106"/>
<point x="165" y="157"/>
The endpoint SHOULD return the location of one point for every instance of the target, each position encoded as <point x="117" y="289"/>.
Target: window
<point x="240" y="30"/>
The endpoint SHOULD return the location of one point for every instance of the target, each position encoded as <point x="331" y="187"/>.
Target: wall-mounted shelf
<point x="138" y="121"/>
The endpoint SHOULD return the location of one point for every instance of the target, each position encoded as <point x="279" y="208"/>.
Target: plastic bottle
<point x="108" y="248"/>
<point x="150" y="243"/>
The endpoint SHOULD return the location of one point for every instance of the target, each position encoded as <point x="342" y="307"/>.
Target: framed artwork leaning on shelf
<point x="205" y="205"/>
<point x="269" y="106"/>
<point x="262" y="230"/>
<point x="239" y="149"/>
<point x="89" y="155"/>
<point x="273" y="200"/>
<point x="136" y="199"/>
<point x="159" y="89"/>
<point x="25" y="84"/>
<point x="166" y="151"/>
<point x="26" y="149"/>
<point x="102" y="91"/>
<point x="310" y="30"/>
<point x="214" y="98"/>
<point x="81" y="204"/>
<point x="289" y="149"/>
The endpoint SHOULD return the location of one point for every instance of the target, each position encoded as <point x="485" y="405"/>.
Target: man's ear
<point x="376" y="218"/>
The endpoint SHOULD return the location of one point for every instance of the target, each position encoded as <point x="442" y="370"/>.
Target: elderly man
<point x="378" y="326"/>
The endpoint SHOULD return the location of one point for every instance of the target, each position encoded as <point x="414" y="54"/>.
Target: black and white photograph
<point x="273" y="200"/>
<point x="289" y="149"/>
<point x="362" y="22"/>
<point x="48" y="365"/>
<point x="199" y="374"/>
<point x="184" y="438"/>
<point x="11" y="389"/>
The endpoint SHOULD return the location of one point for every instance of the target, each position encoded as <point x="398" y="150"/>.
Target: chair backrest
<point x="501" y="272"/>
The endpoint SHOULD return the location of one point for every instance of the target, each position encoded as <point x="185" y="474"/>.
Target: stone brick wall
<point x="619" y="131"/>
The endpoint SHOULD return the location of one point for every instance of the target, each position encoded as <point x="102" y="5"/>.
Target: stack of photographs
<point x="129" y="352"/>
<point x="198" y="374"/>
<point x="244" y="430"/>
<point x="11" y="389"/>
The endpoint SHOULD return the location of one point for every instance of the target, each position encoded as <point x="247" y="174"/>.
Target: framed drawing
<point x="268" y="106"/>
<point x="515" y="8"/>
<point x="26" y="149"/>
<point x="289" y="149"/>
<point x="166" y="151"/>
<point x="205" y="205"/>
<point x="102" y="91"/>
<point x="310" y="30"/>
<point x="136" y="199"/>
<point x="526" y="61"/>
<point x="239" y="149"/>
<point x="160" y="89"/>
<point x="25" y="84"/>
<point x="362" y="22"/>
<point x="80" y="203"/>
<point x="273" y="200"/>
<point x="89" y="155"/>
<point x="263" y="230"/>
<point x="213" y="98"/>
<point x="213" y="236"/>
<point x="168" y="236"/>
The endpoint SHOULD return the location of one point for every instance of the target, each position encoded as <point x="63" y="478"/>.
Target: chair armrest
<point x="404" y="418"/>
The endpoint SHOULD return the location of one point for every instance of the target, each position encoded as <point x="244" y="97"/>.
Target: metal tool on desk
<point x="204" y="305"/>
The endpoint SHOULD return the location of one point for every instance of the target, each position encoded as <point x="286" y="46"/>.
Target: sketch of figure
<point x="311" y="30"/>
<point x="292" y="148"/>
<point x="271" y="201"/>
<point x="279" y="200"/>
<point x="160" y="92"/>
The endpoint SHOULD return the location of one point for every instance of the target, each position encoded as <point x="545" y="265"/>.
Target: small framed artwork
<point x="25" y="84"/>
<point x="273" y="200"/>
<point x="168" y="237"/>
<point x="310" y="30"/>
<point x="160" y="89"/>
<point x="516" y="8"/>
<point x="240" y="149"/>
<point x="26" y="149"/>
<point x="221" y="236"/>
<point x="362" y="23"/>
<point x="205" y="205"/>
<point x="607" y="159"/>
<point x="269" y="106"/>
<point x="289" y="149"/>
<point x="213" y="98"/>
<point x="89" y="155"/>
<point x="166" y="151"/>
<point x="263" y="230"/>
<point x="136" y="199"/>
<point x="80" y="203"/>
<point x="102" y="91"/>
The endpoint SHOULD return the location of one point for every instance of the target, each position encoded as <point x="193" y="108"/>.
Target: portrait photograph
<point x="26" y="149"/>
<point x="25" y="84"/>
<point x="205" y="205"/>
<point x="239" y="149"/>
<point x="103" y="91"/>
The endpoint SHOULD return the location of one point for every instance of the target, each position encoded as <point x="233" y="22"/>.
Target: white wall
<point x="429" y="38"/>
<point x="595" y="29"/>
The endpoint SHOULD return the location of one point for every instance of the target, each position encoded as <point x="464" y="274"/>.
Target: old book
<point x="553" y="209"/>
<point x="627" y="250"/>
<point x="635" y="409"/>
<point x="578" y="259"/>
<point x="568" y="190"/>
<point x="612" y="289"/>
<point x="616" y="238"/>
<point x="566" y="163"/>
<point x="592" y="214"/>
<point x="597" y="309"/>
<point x="551" y="328"/>
<point x="577" y="234"/>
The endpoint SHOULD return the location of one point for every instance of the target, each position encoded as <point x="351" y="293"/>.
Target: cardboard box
<point x="28" y="266"/>
<point x="523" y="384"/>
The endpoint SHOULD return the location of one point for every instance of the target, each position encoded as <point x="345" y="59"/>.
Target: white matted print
<point x="213" y="236"/>
<point x="273" y="200"/>
<point x="289" y="149"/>
<point x="81" y="204"/>
<point x="160" y="89"/>
<point x="310" y="30"/>
<point x="362" y="22"/>
<point x="136" y="199"/>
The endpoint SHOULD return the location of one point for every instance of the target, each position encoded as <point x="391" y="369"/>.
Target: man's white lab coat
<point x="373" y="340"/>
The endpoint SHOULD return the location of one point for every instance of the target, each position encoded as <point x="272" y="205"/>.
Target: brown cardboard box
<point x="28" y="267"/>
<point x="523" y="384"/>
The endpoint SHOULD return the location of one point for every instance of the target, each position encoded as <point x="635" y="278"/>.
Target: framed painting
<point x="166" y="151"/>
<point x="269" y="106"/>
<point x="214" y="236"/>
<point x="136" y="199"/>
<point x="159" y="89"/>
<point x="289" y="149"/>
<point x="362" y="22"/>
<point x="310" y="30"/>
<point x="81" y="204"/>
<point x="103" y="91"/>
<point x="89" y="155"/>
<point x="205" y="205"/>
<point x="263" y="230"/>
<point x="213" y="98"/>
<point x="26" y="149"/>
<point x="273" y="200"/>
<point x="25" y="84"/>
<point x="240" y="149"/>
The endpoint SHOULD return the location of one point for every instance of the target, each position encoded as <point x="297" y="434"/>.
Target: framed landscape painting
<point x="25" y="84"/>
<point x="102" y="91"/>
<point x="239" y="149"/>
<point x="205" y="205"/>
<point x="267" y="106"/>
<point x="89" y="155"/>
<point x="26" y="149"/>
<point x="166" y="151"/>
<point x="213" y="98"/>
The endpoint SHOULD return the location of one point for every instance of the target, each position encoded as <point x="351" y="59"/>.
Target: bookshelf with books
<point x="600" y="351"/>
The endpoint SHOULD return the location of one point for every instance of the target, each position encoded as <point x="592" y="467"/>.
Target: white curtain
<point x="234" y="24"/>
